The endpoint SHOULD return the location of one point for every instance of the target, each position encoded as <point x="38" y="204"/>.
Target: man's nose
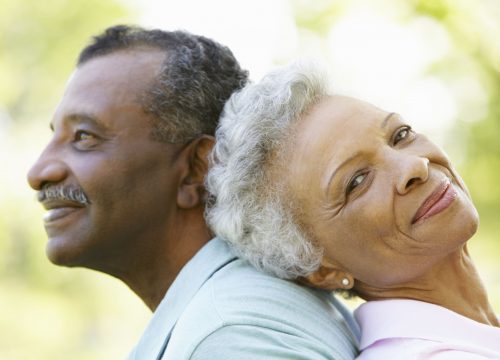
<point x="47" y="169"/>
<point x="413" y="170"/>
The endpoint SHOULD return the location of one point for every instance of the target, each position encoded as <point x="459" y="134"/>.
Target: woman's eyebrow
<point x="349" y="159"/>
<point x="386" y="119"/>
<point x="337" y="169"/>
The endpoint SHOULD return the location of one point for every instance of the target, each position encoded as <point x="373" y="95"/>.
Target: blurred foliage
<point x="39" y="42"/>
<point x="317" y="16"/>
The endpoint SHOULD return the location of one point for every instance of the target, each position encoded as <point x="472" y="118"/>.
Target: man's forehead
<point x="122" y="66"/>
<point x="109" y="85"/>
<point x="119" y="77"/>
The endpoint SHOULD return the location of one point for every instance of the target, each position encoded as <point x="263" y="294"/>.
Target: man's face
<point x="101" y="150"/>
<point x="383" y="201"/>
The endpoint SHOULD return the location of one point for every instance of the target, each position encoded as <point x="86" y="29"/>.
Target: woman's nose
<point x="413" y="170"/>
<point x="47" y="169"/>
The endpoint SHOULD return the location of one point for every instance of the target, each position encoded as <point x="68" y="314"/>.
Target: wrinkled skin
<point x="359" y="176"/>
<point x="135" y="185"/>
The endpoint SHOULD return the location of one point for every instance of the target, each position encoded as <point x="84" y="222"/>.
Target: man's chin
<point x="62" y="254"/>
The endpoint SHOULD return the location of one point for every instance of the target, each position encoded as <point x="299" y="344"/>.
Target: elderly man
<point x="122" y="182"/>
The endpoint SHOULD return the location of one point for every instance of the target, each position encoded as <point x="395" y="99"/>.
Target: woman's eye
<point x="355" y="182"/>
<point x="402" y="134"/>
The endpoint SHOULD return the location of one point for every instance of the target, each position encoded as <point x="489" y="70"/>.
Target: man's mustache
<point x="71" y="193"/>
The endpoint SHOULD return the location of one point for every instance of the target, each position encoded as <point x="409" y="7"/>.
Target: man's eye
<point x="355" y="182"/>
<point x="402" y="134"/>
<point x="81" y="135"/>
<point x="84" y="140"/>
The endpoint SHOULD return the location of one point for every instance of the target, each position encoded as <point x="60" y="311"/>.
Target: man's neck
<point x="162" y="256"/>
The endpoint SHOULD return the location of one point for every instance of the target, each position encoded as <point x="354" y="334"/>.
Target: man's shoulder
<point x="239" y="285"/>
<point x="240" y="300"/>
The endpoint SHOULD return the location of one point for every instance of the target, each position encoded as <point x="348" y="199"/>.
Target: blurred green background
<point x="47" y="312"/>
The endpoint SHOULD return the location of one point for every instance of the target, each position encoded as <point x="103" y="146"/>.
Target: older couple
<point x="310" y="193"/>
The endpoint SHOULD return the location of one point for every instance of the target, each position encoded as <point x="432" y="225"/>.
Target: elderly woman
<point x="345" y="196"/>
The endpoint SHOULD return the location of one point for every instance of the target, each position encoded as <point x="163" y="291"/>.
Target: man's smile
<point x="59" y="209"/>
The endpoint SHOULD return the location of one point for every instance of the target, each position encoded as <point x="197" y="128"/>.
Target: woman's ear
<point x="192" y="189"/>
<point x="329" y="277"/>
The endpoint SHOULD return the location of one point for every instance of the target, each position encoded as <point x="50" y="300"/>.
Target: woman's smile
<point x="391" y="182"/>
<point x="440" y="199"/>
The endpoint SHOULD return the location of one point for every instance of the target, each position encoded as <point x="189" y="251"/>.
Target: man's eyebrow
<point x="81" y="118"/>
<point x="341" y="165"/>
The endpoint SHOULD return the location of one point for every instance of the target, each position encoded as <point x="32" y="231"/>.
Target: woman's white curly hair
<point x="245" y="208"/>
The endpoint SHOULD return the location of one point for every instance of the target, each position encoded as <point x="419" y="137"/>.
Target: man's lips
<point x="58" y="209"/>
<point x="439" y="200"/>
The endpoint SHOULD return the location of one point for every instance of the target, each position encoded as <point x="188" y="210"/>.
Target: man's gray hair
<point x="247" y="208"/>
<point x="196" y="78"/>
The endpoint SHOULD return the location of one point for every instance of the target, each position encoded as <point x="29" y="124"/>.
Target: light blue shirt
<point x="220" y="307"/>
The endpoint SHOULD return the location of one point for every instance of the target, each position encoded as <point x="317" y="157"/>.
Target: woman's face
<point x="382" y="200"/>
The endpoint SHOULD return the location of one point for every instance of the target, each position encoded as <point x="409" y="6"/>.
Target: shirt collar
<point x="401" y="318"/>
<point x="209" y="259"/>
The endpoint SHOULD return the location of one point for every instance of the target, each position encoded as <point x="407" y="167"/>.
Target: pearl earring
<point x="345" y="281"/>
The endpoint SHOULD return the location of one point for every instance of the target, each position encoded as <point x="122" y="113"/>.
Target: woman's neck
<point x="453" y="283"/>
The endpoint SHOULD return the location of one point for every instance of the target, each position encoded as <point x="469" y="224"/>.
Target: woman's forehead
<point x="338" y="119"/>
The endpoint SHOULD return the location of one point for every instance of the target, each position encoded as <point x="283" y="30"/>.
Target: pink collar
<point x="401" y="318"/>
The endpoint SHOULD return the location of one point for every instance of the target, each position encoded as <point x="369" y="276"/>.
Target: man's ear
<point x="329" y="277"/>
<point x="192" y="189"/>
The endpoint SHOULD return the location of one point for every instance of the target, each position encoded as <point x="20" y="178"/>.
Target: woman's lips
<point x="438" y="201"/>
